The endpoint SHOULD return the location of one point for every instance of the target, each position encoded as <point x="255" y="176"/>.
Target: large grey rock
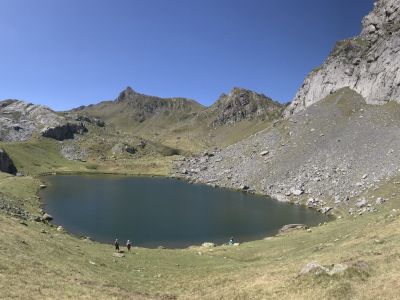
<point x="64" y="131"/>
<point x="369" y="63"/>
<point x="20" y="121"/>
<point x="6" y="164"/>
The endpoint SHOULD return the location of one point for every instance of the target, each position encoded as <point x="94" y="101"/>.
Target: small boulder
<point x="47" y="217"/>
<point x="290" y="227"/>
<point x="130" y="149"/>
<point x="297" y="192"/>
<point x="99" y="122"/>
<point x="338" y="269"/>
<point x="313" y="268"/>
<point x="208" y="154"/>
<point x="361" y="203"/>
<point x="208" y="245"/>
<point x="119" y="255"/>
<point x="37" y="219"/>
<point x="326" y="209"/>
<point x="264" y="153"/>
<point x="280" y="198"/>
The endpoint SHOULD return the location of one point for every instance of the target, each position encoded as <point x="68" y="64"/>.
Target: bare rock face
<point x="19" y="121"/>
<point x="6" y="164"/>
<point x="369" y="63"/>
<point x="243" y="104"/>
<point x="64" y="131"/>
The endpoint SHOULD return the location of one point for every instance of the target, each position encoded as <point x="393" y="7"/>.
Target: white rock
<point x="297" y="192"/>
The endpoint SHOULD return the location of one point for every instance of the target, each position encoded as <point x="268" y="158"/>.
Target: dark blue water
<point x="165" y="212"/>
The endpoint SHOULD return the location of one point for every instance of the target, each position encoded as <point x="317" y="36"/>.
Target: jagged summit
<point x="242" y="104"/>
<point x="126" y="94"/>
<point x="369" y="63"/>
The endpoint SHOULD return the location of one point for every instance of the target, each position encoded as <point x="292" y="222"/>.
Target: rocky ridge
<point x="368" y="63"/>
<point x="242" y="104"/>
<point x="138" y="107"/>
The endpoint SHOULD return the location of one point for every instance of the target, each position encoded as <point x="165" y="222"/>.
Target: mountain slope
<point x="368" y="63"/>
<point x="184" y="124"/>
<point x="333" y="151"/>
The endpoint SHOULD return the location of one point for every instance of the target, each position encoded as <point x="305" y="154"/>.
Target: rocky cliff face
<point x="243" y="104"/>
<point x="6" y="164"/>
<point x="368" y="63"/>
<point x="19" y="121"/>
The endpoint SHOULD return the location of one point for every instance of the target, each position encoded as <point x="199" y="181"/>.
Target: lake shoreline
<point x="198" y="187"/>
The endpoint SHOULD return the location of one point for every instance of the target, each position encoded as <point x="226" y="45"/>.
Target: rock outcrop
<point x="243" y="104"/>
<point x="6" y="164"/>
<point x="64" y="131"/>
<point x="20" y="121"/>
<point x="368" y="63"/>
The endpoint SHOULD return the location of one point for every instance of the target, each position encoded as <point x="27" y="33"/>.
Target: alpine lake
<point x="153" y="212"/>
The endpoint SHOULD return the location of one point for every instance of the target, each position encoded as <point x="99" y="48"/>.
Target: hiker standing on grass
<point x="128" y="245"/>
<point x="116" y="244"/>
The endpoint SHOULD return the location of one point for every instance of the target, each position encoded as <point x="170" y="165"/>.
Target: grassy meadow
<point x="39" y="262"/>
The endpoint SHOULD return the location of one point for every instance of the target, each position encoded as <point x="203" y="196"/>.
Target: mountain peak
<point x="127" y="93"/>
<point x="242" y="104"/>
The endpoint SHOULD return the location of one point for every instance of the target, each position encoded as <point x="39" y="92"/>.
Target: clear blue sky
<point x="66" y="53"/>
